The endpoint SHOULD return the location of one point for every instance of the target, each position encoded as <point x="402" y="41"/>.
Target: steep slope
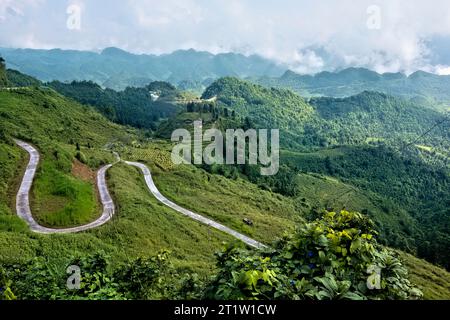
<point x="411" y="197"/>
<point x="62" y="131"/>
<point x="3" y="78"/>
<point x="142" y="226"/>
<point x="268" y="108"/>
<point x="375" y="116"/>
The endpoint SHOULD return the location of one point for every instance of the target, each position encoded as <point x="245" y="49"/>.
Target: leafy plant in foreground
<point x="331" y="258"/>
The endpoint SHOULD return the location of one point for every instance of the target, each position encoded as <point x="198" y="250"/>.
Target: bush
<point x="335" y="257"/>
<point x="5" y="290"/>
<point x="143" y="278"/>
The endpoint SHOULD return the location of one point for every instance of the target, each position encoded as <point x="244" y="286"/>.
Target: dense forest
<point x="132" y="106"/>
<point x="325" y="122"/>
<point x="384" y="156"/>
<point x="384" y="135"/>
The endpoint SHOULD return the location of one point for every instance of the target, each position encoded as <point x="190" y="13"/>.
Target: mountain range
<point x="117" y="69"/>
<point x="426" y="88"/>
<point x="195" y="70"/>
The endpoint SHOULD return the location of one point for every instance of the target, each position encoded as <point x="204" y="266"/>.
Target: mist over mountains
<point x="117" y="69"/>
<point x="195" y="70"/>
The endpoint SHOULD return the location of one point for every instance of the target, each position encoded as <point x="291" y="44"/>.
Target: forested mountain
<point x="371" y="152"/>
<point x="352" y="81"/>
<point x="320" y="122"/>
<point x="118" y="69"/>
<point x="132" y="106"/>
<point x="396" y="151"/>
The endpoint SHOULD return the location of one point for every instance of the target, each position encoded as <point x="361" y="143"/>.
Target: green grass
<point x="10" y="167"/>
<point x="432" y="280"/>
<point x="146" y="226"/>
<point x="224" y="200"/>
<point x="142" y="226"/>
<point x="62" y="200"/>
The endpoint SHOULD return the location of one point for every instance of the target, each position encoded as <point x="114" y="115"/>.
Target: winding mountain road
<point x="23" y="199"/>
<point x="24" y="211"/>
<point x="152" y="187"/>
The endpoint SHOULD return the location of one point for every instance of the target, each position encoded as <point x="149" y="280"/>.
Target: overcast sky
<point x="310" y="36"/>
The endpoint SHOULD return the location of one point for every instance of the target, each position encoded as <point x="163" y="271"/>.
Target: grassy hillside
<point x="433" y="281"/>
<point x="117" y="69"/>
<point x="142" y="226"/>
<point x="215" y="196"/>
<point x="381" y="157"/>
<point x="377" y="116"/>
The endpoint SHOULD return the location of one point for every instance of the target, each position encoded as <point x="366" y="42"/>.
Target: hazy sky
<point x="310" y="36"/>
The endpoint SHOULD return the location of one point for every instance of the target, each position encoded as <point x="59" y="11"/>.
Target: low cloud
<point x="307" y="36"/>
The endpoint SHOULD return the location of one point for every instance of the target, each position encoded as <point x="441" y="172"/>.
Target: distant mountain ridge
<point x="351" y="81"/>
<point x="117" y="69"/>
<point x="195" y="70"/>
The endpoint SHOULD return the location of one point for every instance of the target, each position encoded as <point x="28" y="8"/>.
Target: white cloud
<point x="309" y="36"/>
<point x="442" y="70"/>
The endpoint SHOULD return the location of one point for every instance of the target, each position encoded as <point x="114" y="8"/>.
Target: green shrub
<point x="5" y="290"/>
<point x="335" y="257"/>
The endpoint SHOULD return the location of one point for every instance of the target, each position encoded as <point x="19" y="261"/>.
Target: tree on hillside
<point x="3" y="78"/>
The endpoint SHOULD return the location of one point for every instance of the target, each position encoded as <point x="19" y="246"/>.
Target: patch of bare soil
<point x="83" y="172"/>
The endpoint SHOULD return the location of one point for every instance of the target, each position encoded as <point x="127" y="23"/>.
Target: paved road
<point x="152" y="187"/>
<point x="24" y="211"/>
<point x="23" y="201"/>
